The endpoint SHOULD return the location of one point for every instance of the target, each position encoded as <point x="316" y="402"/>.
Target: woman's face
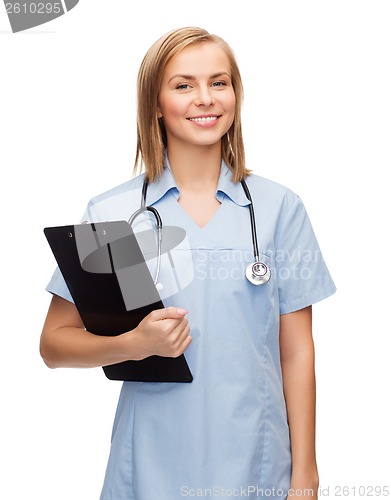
<point x="197" y="100"/>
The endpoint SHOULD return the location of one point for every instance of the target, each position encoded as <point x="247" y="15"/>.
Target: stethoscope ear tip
<point x="159" y="287"/>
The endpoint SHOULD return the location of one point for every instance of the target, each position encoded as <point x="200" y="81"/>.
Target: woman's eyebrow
<point x="191" y="77"/>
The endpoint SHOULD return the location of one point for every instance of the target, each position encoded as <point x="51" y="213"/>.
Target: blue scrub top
<point x="226" y="434"/>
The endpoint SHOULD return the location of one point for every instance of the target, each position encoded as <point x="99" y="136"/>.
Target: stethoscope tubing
<point x="257" y="273"/>
<point x="252" y="219"/>
<point x="159" y="226"/>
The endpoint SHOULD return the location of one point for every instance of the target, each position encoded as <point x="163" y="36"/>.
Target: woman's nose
<point x="204" y="97"/>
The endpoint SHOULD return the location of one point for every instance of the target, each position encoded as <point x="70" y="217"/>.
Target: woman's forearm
<point x="298" y="373"/>
<point x="74" y="347"/>
<point x="299" y="389"/>
<point x="66" y="343"/>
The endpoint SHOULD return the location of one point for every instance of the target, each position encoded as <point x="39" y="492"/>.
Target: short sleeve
<point x="57" y="285"/>
<point x="302" y="274"/>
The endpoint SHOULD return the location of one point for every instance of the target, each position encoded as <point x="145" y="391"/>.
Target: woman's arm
<point x="298" y="372"/>
<point x="66" y="343"/>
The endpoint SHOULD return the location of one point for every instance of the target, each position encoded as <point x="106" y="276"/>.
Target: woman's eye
<point x="219" y="84"/>
<point x="183" y="86"/>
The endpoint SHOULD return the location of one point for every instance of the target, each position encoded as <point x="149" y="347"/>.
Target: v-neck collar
<point x="166" y="182"/>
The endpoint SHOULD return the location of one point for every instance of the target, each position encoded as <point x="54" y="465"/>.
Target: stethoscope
<point x="257" y="272"/>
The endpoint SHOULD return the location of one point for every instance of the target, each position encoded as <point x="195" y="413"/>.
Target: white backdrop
<point x="316" y="118"/>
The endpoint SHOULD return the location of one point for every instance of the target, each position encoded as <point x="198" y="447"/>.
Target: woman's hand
<point x="65" y="343"/>
<point x="163" y="332"/>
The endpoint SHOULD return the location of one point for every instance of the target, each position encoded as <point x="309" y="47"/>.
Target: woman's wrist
<point x="131" y="347"/>
<point x="304" y="477"/>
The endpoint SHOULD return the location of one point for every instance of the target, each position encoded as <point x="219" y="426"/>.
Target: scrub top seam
<point x="264" y="445"/>
<point x="262" y="458"/>
<point x="286" y="215"/>
<point x="136" y="391"/>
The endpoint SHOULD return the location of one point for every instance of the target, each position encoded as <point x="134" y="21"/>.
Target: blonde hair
<point x="151" y="132"/>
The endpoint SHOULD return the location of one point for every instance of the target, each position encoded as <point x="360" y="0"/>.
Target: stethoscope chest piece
<point x="258" y="273"/>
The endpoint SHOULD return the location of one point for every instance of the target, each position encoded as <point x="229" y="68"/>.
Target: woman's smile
<point x="204" y="120"/>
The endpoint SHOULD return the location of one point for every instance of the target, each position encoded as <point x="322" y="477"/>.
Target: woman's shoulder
<point x="268" y="190"/>
<point x="117" y="202"/>
<point x="127" y="187"/>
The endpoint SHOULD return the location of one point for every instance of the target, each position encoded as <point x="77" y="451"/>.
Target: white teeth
<point x="204" y="119"/>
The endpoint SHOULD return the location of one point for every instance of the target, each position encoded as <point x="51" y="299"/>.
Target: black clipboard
<point x="95" y="259"/>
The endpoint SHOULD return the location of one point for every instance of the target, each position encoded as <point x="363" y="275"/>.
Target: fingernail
<point x="181" y="312"/>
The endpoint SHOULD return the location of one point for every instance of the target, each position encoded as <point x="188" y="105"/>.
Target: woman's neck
<point x="195" y="168"/>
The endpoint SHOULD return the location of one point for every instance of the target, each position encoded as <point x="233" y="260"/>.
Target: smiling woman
<point x="247" y="421"/>
<point x="161" y="73"/>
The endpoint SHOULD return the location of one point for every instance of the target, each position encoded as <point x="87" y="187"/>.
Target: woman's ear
<point x="159" y="113"/>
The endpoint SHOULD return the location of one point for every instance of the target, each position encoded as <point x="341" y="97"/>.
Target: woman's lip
<point x="204" y="120"/>
<point x="200" y="117"/>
